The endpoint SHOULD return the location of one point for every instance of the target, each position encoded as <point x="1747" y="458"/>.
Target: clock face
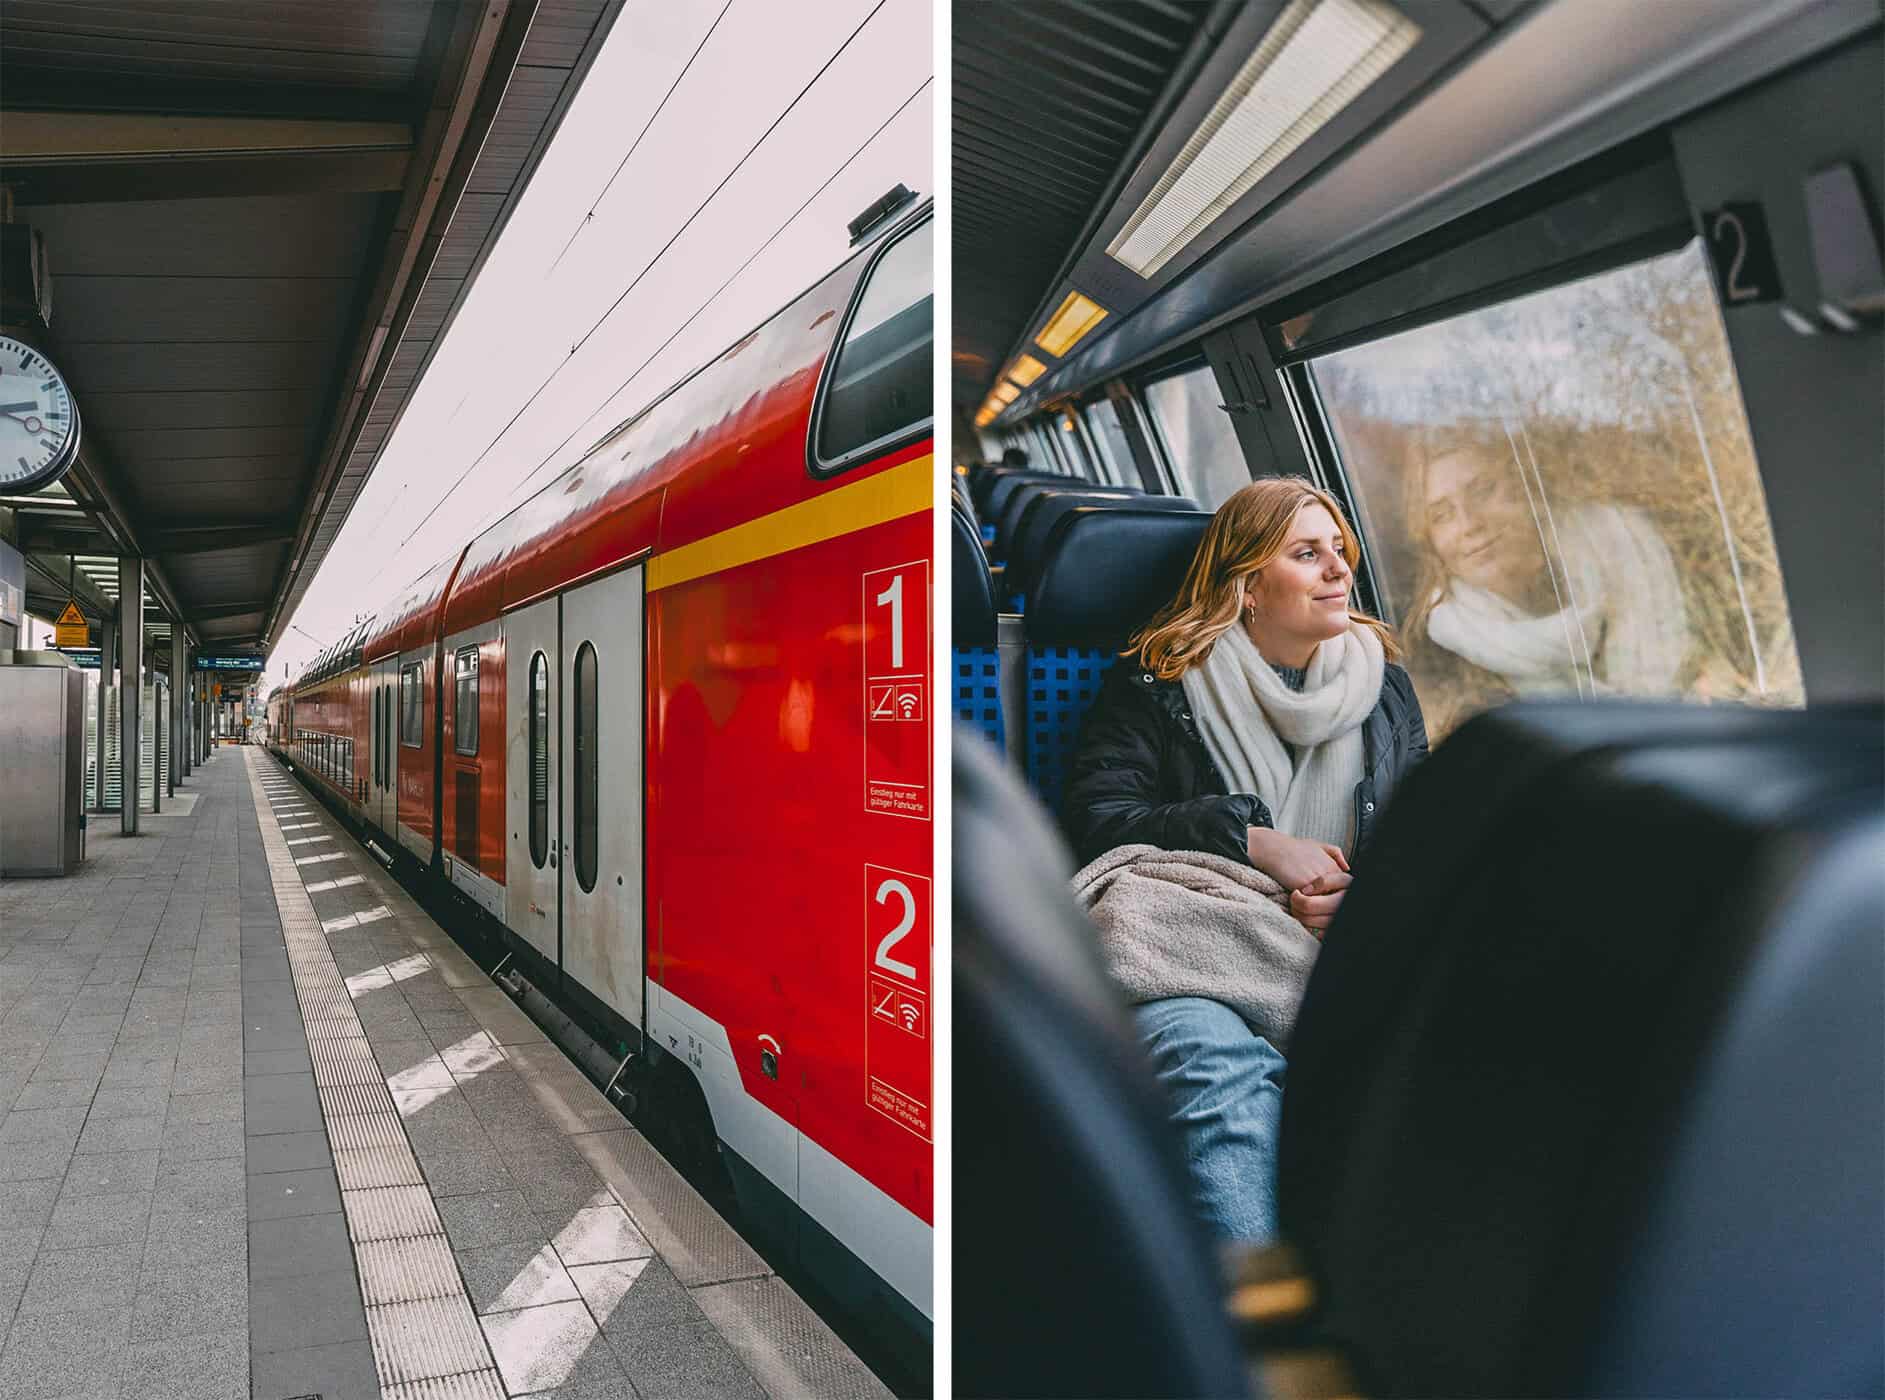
<point x="39" y="425"/>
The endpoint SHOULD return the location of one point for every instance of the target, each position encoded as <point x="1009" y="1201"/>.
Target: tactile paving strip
<point x="427" y="1344"/>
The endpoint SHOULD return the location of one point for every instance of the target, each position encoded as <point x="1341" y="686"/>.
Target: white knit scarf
<point x="1621" y="625"/>
<point x="1247" y="714"/>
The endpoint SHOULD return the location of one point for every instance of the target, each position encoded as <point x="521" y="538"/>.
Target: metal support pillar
<point x="174" y="719"/>
<point x="131" y="688"/>
<point x="180" y="687"/>
<point x="107" y="664"/>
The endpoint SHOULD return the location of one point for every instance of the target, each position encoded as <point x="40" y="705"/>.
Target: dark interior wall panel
<point x="273" y="236"/>
<point x="160" y="310"/>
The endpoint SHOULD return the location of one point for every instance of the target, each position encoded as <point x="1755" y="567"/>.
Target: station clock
<point x="39" y="423"/>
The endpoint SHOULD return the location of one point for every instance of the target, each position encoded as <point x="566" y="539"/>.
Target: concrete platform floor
<point x="266" y="1131"/>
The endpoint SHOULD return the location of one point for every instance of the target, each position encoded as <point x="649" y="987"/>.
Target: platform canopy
<point x="258" y="220"/>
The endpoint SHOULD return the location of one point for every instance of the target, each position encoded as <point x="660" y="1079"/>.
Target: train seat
<point x="1102" y="575"/>
<point x="995" y="498"/>
<point x="1022" y="498"/>
<point x="1043" y="517"/>
<point x="1069" y="1183"/>
<point x="1591" y="1052"/>
<point x="975" y="663"/>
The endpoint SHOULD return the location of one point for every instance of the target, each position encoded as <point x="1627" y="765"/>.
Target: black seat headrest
<point x="995" y="497"/>
<point x="1067" y="1174"/>
<point x="1508" y="1016"/>
<point x="1045" y="514"/>
<point x="1023" y="499"/>
<point x="1105" y="572"/>
<point x="972" y="611"/>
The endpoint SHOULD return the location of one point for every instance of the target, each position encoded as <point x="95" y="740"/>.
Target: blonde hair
<point x="1248" y="532"/>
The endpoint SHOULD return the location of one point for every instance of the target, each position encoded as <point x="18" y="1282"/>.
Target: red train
<point x="668" y="723"/>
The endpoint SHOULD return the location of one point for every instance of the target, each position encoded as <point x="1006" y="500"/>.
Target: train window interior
<point x="1560" y="496"/>
<point x="538" y="711"/>
<point x="878" y="389"/>
<point x="465" y="701"/>
<point x="1201" y="450"/>
<point x="1110" y="445"/>
<point x="411" y="695"/>
<point x="585" y="806"/>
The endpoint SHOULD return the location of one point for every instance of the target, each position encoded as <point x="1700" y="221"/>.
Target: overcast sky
<point x="610" y="281"/>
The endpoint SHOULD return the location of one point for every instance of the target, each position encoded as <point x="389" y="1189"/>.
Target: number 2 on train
<point x="904" y="925"/>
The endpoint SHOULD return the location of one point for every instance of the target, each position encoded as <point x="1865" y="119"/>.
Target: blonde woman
<point x="1259" y="717"/>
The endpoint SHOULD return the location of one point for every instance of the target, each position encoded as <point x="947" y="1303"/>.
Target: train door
<point x="532" y="817"/>
<point x="383" y="769"/>
<point x="600" y="780"/>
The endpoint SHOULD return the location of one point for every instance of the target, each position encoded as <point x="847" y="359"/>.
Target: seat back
<point x="1510" y="1017"/>
<point x="1103" y="574"/>
<point x="1069" y="1184"/>
<point x="1024" y="501"/>
<point x="975" y="663"/>
<point x="991" y="503"/>
<point x="1045" y="514"/>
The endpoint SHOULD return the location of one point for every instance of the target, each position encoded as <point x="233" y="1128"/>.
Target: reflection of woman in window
<point x="1519" y="594"/>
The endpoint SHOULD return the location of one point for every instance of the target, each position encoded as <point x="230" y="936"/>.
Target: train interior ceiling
<point x="1575" y="306"/>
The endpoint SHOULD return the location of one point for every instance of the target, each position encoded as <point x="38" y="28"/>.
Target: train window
<point x="411" y="706"/>
<point x="1200" y="445"/>
<point x="1110" y="444"/>
<point x="538" y="709"/>
<point x="1560" y="496"/>
<point x="586" y="766"/>
<point x="465" y="701"/>
<point x="877" y="389"/>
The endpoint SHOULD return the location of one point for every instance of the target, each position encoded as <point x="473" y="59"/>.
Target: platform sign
<point x="229" y="663"/>
<point x="71" y="630"/>
<point x="897" y="692"/>
<point x="897" y="1034"/>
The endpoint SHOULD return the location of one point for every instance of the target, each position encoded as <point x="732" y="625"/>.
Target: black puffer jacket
<point x="1142" y="774"/>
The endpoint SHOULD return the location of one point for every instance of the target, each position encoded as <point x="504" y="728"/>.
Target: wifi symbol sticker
<point x="910" y="1014"/>
<point x="909" y="701"/>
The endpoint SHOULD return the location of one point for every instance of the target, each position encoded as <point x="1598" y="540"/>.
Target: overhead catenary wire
<point x="634" y="282"/>
<point x="523" y="490"/>
<point x="635" y="145"/>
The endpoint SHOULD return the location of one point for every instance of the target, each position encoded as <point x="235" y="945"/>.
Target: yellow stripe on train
<point x="889" y="495"/>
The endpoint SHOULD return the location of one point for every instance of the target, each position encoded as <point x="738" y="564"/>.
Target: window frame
<point x="412" y="673"/>
<point x="459" y="676"/>
<point x="1188" y="360"/>
<point x="816" y="465"/>
<point x="537" y="735"/>
<point x="585" y="767"/>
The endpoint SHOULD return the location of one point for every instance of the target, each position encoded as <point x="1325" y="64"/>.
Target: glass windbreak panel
<point x="586" y="766"/>
<point x="1200" y="444"/>
<point x="880" y="385"/>
<point x="1110" y="441"/>
<point x="538" y="703"/>
<point x="465" y="698"/>
<point x="1560" y="497"/>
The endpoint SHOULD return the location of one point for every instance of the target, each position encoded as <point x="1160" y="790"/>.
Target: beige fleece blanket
<point x="1190" y="924"/>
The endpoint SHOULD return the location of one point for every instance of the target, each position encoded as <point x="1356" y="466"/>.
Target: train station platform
<point x="265" y="1130"/>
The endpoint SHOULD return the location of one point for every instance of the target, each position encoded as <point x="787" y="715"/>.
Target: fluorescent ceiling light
<point x="1318" y="57"/>
<point x="1077" y="315"/>
<point x="1005" y="393"/>
<point x="1026" y="370"/>
<point x="985" y="417"/>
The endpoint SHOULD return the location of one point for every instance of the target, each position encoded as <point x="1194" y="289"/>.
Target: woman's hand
<point x="1314" y="905"/>
<point x="1291" y="861"/>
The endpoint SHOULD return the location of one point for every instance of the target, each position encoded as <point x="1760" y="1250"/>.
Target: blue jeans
<point x="1225" y="1086"/>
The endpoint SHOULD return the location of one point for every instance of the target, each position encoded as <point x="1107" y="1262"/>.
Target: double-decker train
<point x="667" y="724"/>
